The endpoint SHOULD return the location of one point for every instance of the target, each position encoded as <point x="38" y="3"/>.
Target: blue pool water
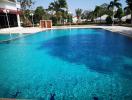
<point x="69" y="64"/>
<point x="8" y="36"/>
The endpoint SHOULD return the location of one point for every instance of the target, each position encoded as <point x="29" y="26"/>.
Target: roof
<point x="74" y="17"/>
<point x="126" y="17"/>
<point x="103" y="18"/>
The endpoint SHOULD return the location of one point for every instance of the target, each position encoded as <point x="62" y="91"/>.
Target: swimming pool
<point x="6" y="37"/>
<point x="67" y="64"/>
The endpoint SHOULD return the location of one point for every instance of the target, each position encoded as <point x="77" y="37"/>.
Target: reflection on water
<point x="104" y="56"/>
<point x="8" y="36"/>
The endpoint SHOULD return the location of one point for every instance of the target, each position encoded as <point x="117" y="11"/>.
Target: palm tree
<point x="119" y="14"/>
<point x="129" y="7"/>
<point x="59" y="7"/>
<point x="39" y="14"/>
<point x="63" y="4"/>
<point x="97" y="12"/>
<point x="127" y="11"/>
<point x="104" y="9"/>
<point x="78" y="14"/>
<point x="89" y="15"/>
<point x="113" y="5"/>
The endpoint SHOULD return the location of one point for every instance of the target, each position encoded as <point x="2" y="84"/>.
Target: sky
<point x="74" y="4"/>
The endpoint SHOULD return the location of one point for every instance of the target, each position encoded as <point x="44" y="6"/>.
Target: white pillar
<point x="18" y="20"/>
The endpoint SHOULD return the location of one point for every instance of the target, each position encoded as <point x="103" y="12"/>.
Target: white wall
<point x="74" y="19"/>
<point x="12" y="6"/>
<point x="18" y="5"/>
<point x="9" y="5"/>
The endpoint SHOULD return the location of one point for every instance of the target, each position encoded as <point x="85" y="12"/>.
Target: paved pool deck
<point x="120" y="29"/>
<point x="21" y="30"/>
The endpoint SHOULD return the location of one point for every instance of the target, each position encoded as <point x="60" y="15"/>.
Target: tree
<point x="62" y="4"/>
<point x="39" y="14"/>
<point x="89" y="15"/>
<point x="25" y="6"/>
<point x="113" y="5"/>
<point x="69" y="18"/>
<point x="105" y="10"/>
<point x="54" y="6"/>
<point x="102" y="10"/>
<point x="26" y="3"/>
<point x="78" y="14"/>
<point x="85" y="14"/>
<point x="26" y="19"/>
<point x="127" y="11"/>
<point x="129" y="7"/>
<point x="59" y="7"/>
<point x="119" y="14"/>
<point x="109" y="20"/>
<point x="97" y="12"/>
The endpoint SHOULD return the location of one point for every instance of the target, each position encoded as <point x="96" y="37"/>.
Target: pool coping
<point x="27" y="34"/>
<point x="68" y="27"/>
<point x="108" y="28"/>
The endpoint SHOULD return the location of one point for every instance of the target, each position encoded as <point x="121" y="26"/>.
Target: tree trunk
<point x="131" y="17"/>
<point x="77" y="20"/>
<point x="60" y="20"/>
<point x="113" y="16"/>
<point x="100" y="16"/>
<point x="100" y="19"/>
<point x="96" y="18"/>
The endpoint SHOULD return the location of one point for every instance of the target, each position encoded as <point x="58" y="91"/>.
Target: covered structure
<point x="126" y="17"/>
<point x="46" y="23"/>
<point x="74" y="19"/>
<point x="101" y="19"/>
<point x="10" y="9"/>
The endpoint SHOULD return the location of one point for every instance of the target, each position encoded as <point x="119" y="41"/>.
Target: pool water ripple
<point x="70" y="64"/>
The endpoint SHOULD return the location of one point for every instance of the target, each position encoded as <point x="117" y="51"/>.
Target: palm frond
<point x="112" y="3"/>
<point x="118" y="5"/>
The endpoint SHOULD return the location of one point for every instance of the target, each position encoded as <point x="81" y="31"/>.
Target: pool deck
<point x="20" y="30"/>
<point x="120" y="29"/>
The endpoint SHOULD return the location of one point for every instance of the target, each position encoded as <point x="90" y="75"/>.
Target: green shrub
<point x="54" y="20"/>
<point x="109" y="20"/>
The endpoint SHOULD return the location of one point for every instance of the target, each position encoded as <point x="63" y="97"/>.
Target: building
<point x="74" y="19"/>
<point x="127" y="17"/>
<point x="9" y="13"/>
<point x="46" y="23"/>
<point x="101" y="19"/>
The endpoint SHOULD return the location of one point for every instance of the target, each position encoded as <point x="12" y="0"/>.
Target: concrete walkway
<point x="21" y="30"/>
<point x="120" y="29"/>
